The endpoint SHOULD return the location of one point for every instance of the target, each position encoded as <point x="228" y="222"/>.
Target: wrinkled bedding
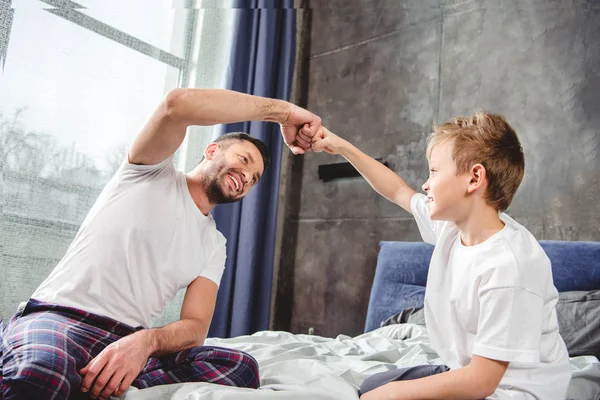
<point x="304" y="366"/>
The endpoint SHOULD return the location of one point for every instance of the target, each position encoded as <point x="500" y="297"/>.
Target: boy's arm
<point x="381" y="178"/>
<point x="476" y="381"/>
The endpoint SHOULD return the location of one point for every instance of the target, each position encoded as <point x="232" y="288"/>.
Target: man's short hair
<point x="486" y="139"/>
<point x="260" y="145"/>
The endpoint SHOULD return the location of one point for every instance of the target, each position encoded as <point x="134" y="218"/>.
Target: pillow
<point x="579" y="322"/>
<point x="578" y="319"/>
<point x="412" y="315"/>
<point x="403" y="296"/>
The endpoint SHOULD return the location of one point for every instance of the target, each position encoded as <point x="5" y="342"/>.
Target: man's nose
<point x="246" y="176"/>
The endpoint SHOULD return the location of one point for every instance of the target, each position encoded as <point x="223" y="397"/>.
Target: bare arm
<point x="191" y="330"/>
<point x="164" y="132"/>
<point x="115" y="368"/>
<point x="385" y="181"/>
<point x="477" y="380"/>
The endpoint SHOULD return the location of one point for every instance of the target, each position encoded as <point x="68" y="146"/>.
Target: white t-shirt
<point x="496" y="300"/>
<point x="143" y="240"/>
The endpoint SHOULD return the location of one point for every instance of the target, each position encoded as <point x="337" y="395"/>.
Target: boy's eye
<point x="244" y="159"/>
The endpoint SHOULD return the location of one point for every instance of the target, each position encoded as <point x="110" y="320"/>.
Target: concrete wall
<point x="379" y="74"/>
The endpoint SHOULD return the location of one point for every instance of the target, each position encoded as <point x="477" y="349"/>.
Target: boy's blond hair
<point x="486" y="139"/>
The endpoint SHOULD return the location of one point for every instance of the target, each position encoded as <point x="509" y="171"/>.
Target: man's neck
<point x="481" y="223"/>
<point x="194" y="183"/>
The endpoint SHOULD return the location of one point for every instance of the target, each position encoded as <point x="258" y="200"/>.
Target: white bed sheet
<point x="298" y="367"/>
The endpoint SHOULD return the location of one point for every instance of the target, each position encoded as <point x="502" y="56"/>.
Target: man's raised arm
<point x="164" y="132"/>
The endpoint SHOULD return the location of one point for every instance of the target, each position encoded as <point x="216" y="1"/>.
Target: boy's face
<point x="445" y="188"/>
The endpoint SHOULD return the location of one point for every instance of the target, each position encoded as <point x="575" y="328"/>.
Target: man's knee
<point x="36" y="371"/>
<point x="36" y="363"/>
<point x="236" y="367"/>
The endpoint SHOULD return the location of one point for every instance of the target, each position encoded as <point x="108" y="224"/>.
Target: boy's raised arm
<point x="381" y="178"/>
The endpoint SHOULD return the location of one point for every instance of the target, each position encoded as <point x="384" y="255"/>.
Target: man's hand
<point x="299" y="128"/>
<point x="325" y="140"/>
<point x="112" y="371"/>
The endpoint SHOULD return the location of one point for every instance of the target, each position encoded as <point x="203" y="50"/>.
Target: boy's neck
<point x="479" y="224"/>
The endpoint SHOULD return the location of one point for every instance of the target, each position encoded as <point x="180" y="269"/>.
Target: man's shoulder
<point x="221" y="240"/>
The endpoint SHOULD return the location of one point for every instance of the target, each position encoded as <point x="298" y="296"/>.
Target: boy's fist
<point x="325" y="140"/>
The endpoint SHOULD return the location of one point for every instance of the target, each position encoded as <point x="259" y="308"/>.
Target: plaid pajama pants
<point x="44" y="346"/>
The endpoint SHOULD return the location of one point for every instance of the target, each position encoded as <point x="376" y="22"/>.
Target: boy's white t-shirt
<point x="495" y="300"/>
<point x="143" y="240"/>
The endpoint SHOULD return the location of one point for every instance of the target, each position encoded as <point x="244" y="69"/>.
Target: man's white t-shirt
<point x="495" y="300"/>
<point x="143" y="240"/>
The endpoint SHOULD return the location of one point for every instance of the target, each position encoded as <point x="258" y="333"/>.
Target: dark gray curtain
<point x="261" y="63"/>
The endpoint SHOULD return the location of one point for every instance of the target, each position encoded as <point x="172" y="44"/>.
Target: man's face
<point x="236" y="167"/>
<point x="445" y="188"/>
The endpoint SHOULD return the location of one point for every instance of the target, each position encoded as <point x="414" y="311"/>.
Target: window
<point x="77" y="85"/>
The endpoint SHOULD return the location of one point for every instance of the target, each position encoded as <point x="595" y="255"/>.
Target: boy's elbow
<point x="485" y="391"/>
<point x="484" y="388"/>
<point x="482" y="385"/>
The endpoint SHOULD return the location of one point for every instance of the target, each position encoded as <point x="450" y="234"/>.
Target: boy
<point x="490" y="299"/>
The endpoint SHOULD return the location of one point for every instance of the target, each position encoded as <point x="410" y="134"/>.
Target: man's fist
<point x="299" y="128"/>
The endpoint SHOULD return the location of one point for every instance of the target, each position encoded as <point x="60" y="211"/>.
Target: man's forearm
<point x="219" y="106"/>
<point x="174" y="337"/>
<point x="385" y="181"/>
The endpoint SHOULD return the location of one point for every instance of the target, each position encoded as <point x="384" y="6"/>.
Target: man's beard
<point x="213" y="185"/>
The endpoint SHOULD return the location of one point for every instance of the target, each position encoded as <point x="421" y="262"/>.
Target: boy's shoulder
<point x="516" y="258"/>
<point x="521" y="243"/>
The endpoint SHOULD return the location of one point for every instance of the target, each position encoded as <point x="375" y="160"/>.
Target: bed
<point x="306" y="366"/>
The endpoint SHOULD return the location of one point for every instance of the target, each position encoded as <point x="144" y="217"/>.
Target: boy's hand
<point x="325" y="140"/>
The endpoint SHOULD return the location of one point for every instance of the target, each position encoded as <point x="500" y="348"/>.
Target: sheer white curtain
<point x="77" y="85"/>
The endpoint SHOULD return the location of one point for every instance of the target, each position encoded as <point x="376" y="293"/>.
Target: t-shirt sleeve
<point x="129" y="171"/>
<point x="216" y="264"/>
<point x="430" y="230"/>
<point x="510" y="325"/>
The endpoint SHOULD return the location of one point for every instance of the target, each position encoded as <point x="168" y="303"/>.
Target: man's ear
<point x="210" y="151"/>
<point x="478" y="177"/>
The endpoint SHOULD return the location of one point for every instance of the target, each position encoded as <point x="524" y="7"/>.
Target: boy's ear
<point x="210" y="151"/>
<point x="477" y="177"/>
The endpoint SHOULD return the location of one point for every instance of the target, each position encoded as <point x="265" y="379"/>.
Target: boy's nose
<point x="426" y="187"/>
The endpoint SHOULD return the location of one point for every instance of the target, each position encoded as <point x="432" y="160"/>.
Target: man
<point x="86" y="330"/>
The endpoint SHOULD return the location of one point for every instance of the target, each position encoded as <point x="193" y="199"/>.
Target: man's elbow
<point x="200" y="330"/>
<point x="174" y="103"/>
